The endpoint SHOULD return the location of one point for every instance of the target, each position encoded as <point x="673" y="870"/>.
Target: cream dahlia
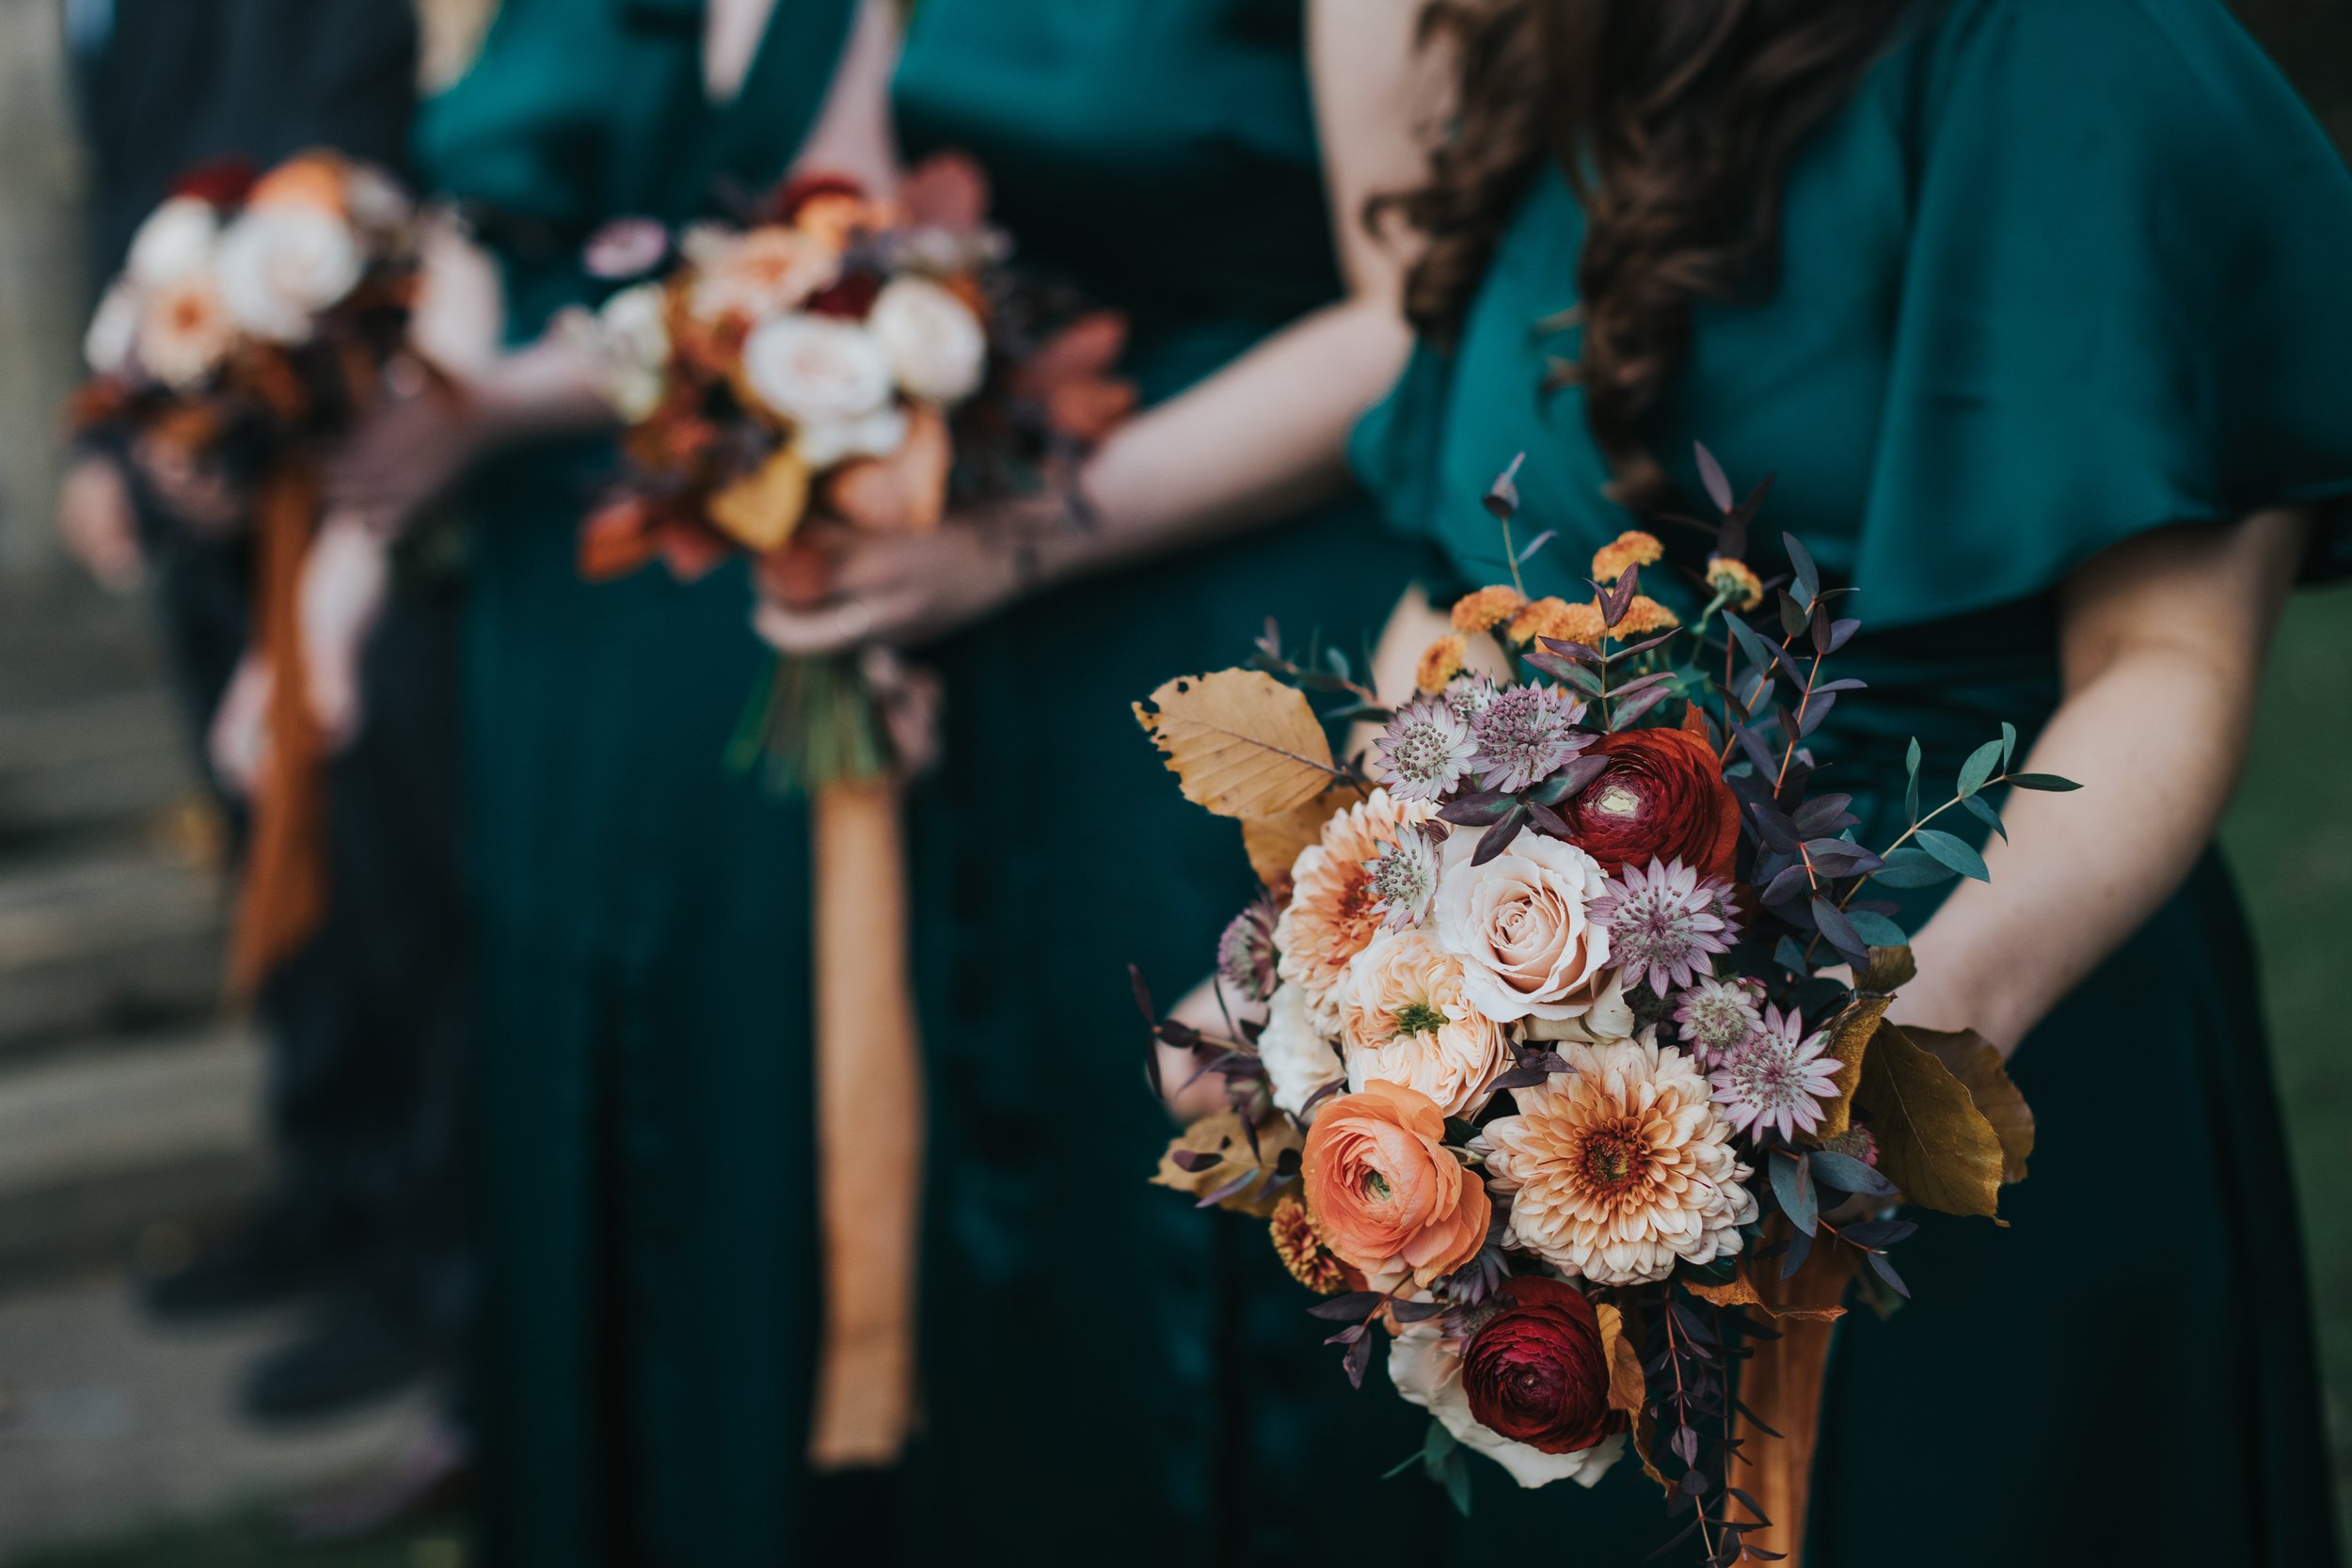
<point x="1404" y="1020"/>
<point x="1333" y="913"/>
<point x="1777" y="1077"/>
<point x="184" y="331"/>
<point x="1621" y="1166"/>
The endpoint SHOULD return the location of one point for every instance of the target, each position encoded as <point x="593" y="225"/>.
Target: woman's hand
<point x="1191" y="1094"/>
<point x="96" y="525"/>
<point x="897" y="589"/>
<point x="406" y="450"/>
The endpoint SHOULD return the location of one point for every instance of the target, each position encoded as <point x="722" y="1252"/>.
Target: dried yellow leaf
<point x="1977" y="1063"/>
<point x="1221" y="1133"/>
<point x="760" y="511"/>
<point x="1240" y="742"/>
<point x="1629" y="1392"/>
<point x="1932" y="1141"/>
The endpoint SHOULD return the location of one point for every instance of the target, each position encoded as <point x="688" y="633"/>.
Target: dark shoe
<point x="355" y="1351"/>
<point x="274" y="1255"/>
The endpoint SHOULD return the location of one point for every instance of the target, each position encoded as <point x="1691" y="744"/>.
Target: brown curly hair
<point x="1675" y="122"/>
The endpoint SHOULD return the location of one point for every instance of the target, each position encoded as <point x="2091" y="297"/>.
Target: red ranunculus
<point x="1662" y="797"/>
<point x="1536" y="1374"/>
<point x="222" y="182"/>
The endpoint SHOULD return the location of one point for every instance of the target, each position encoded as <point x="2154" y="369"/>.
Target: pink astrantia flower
<point x="1777" y="1077"/>
<point x="1403" y="874"/>
<point x="1716" y="1013"/>
<point x="1426" y="750"/>
<point x="1525" y="734"/>
<point x="1665" y="920"/>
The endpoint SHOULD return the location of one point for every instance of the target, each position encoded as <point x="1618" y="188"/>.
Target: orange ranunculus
<point x="1388" y="1196"/>
<point x="311" y="179"/>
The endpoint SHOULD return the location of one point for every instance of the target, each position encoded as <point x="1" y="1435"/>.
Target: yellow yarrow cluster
<point x="1441" y="662"/>
<point x="1559" y="620"/>
<point x="1303" y="1253"/>
<point x="1629" y="549"/>
<point x="1488" y="607"/>
<point x="1735" y="582"/>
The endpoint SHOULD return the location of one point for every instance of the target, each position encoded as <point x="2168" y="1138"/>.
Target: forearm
<point x="1256" y="442"/>
<point x="2082" y="871"/>
<point x="552" y="388"/>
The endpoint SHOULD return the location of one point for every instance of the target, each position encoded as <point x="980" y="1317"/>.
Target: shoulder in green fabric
<point x="2065" y="271"/>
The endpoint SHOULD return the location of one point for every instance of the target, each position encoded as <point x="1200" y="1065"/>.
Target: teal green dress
<point x="645" y="1193"/>
<point x="2064" y="272"/>
<point x="1111" y="1375"/>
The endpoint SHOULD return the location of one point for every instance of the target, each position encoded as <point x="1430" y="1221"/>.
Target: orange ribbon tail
<point x="283" y="895"/>
<point x="1781" y="1382"/>
<point x="869" y="1128"/>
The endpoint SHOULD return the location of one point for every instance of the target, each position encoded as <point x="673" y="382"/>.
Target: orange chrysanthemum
<point x="1736" y="581"/>
<point x="1302" y="1252"/>
<point x="1629" y="549"/>
<point x="1643" y="617"/>
<point x="1488" y="607"/>
<point x="1441" y="663"/>
<point x="1557" y="619"/>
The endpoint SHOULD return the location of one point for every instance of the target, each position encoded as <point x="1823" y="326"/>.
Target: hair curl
<point x="1675" y="122"/>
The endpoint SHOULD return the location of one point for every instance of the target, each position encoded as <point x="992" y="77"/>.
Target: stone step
<point x="115" y="757"/>
<point x="61" y="639"/>
<point x="99" y="1143"/>
<point x="100" y="940"/>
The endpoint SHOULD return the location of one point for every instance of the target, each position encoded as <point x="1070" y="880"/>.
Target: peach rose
<point x="755" y="276"/>
<point x="1519" y="927"/>
<point x="1387" y="1194"/>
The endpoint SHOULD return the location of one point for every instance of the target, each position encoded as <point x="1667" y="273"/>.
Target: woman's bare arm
<point x="1257" y="440"/>
<point x="2162" y="640"/>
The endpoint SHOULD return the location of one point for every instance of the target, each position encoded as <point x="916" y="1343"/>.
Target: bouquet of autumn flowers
<point x="255" y="311"/>
<point x="255" y="318"/>
<point x="833" y="363"/>
<point x="1536" y="1055"/>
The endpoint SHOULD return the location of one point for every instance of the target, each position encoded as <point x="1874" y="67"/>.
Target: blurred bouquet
<point x="1535" y="1054"/>
<point x="253" y="315"/>
<point x="255" y="319"/>
<point x="835" y="362"/>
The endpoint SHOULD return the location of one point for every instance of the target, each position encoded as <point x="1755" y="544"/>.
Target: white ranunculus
<point x="282" y="265"/>
<point x="634" y="335"/>
<point x="822" y="443"/>
<point x="184" y="331"/>
<point x="114" y="328"/>
<point x="934" y="343"/>
<point x="1297" y="1060"/>
<point x="816" y="370"/>
<point x="1426" y="1368"/>
<point x="176" y="240"/>
<point x="1519" y="926"/>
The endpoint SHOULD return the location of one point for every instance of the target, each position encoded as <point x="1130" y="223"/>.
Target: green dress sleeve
<point x="522" y="132"/>
<point x="2125" y="303"/>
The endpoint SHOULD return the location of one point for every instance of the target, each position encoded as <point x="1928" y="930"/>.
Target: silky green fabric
<point x="647" y="1226"/>
<point x="1111" y="1375"/>
<point x="2065" y="271"/>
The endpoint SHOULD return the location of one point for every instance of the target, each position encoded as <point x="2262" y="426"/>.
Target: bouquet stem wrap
<point x="1782" y="1382"/>
<point x="284" y="893"/>
<point x="869" y="1126"/>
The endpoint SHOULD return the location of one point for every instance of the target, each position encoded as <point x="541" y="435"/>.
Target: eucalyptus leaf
<point x="1877" y="929"/>
<point x="1953" y="852"/>
<point x="1979" y="767"/>
<point x="1908" y="867"/>
<point x="1984" y="812"/>
<point x="2009" y="744"/>
<point x="1911" y="764"/>
<point x="1849" y="1174"/>
<point x="1793" y="1183"/>
<point x="1711" y="475"/>
<point x="2042" y="781"/>
<point x="1808" y="575"/>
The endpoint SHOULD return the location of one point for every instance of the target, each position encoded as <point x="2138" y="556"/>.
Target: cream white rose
<point x="934" y="343"/>
<point x="1404" y="1020"/>
<point x="816" y="370"/>
<point x="1298" y="1061"/>
<point x="822" y="443"/>
<point x="282" y="265"/>
<point x="114" y="331"/>
<point x="1426" y="1368"/>
<point x="176" y="240"/>
<point x="633" y="335"/>
<point x="1519" y="927"/>
<point x="1611" y="1018"/>
<point x="184" y="331"/>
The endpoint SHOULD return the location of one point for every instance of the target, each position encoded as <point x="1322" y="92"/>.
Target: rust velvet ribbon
<point x="284" y="894"/>
<point x="869" y="1127"/>
<point x="1781" y="1382"/>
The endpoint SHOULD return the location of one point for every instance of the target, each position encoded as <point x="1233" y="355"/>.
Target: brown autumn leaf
<point x="1934" y="1143"/>
<point x="1273" y="842"/>
<point x="1221" y="1133"/>
<point x="1776" y="1299"/>
<point x="1240" y="742"/>
<point x="1890" y="970"/>
<point x="1734" y="1291"/>
<point x="761" y="510"/>
<point x="1849" y="1042"/>
<point x="1977" y="1063"/>
<point x="1628" y="1391"/>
